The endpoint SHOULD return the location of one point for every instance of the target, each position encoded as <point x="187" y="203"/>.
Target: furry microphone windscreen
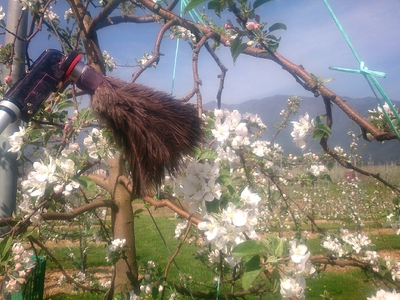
<point x="154" y="130"/>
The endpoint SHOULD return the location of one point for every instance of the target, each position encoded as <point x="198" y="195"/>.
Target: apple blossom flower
<point x="249" y="198"/>
<point x="290" y="287"/>
<point x="218" y="113"/>
<point x="16" y="141"/>
<point x="72" y="185"/>
<point x="180" y="227"/>
<point x="109" y="61"/>
<point x="67" y="165"/>
<point x="113" y="251"/>
<point x="49" y="15"/>
<point x="252" y="25"/>
<point x="2" y="13"/>
<point x="8" y="80"/>
<point x="384" y="295"/>
<point x="316" y="170"/>
<point x="17" y="248"/>
<point x="301" y="130"/>
<point x="333" y="245"/>
<point x="221" y="131"/>
<point x="12" y="286"/>
<point x="68" y="14"/>
<point x="133" y="296"/>
<point x="58" y="188"/>
<point x="214" y="256"/>
<point x="228" y="24"/>
<point x="151" y="264"/>
<point x="234" y="215"/>
<point x="211" y="227"/>
<point x="297" y="252"/>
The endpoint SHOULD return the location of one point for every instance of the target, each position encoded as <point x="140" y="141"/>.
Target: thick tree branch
<point x="298" y="72"/>
<point x="103" y="15"/>
<point x="350" y="262"/>
<point x="69" y="216"/>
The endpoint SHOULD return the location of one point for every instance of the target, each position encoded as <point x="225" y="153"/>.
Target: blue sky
<point x="311" y="39"/>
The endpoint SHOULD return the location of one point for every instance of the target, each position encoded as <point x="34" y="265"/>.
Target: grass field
<point x="339" y="283"/>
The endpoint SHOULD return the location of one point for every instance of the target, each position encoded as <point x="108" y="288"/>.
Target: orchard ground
<point x="102" y="273"/>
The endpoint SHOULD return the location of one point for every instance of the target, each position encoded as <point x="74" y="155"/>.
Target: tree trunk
<point x="126" y="270"/>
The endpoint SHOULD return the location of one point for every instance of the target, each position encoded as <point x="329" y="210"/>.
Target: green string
<point x="369" y="75"/>
<point x="195" y="16"/>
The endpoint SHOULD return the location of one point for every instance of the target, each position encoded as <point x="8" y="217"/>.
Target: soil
<point x="52" y="287"/>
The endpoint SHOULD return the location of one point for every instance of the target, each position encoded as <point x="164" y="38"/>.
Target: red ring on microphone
<point x="72" y="66"/>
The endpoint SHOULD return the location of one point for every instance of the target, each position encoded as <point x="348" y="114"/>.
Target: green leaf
<point x="237" y="47"/>
<point x="320" y="130"/>
<point x="273" y="245"/>
<point x="5" y="246"/>
<point x="19" y="60"/>
<point x="272" y="259"/>
<point x="277" y="26"/>
<point x="258" y="3"/>
<point x="137" y="212"/>
<point x="192" y="4"/>
<point x="253" y="268"/>
<point x="65" y="104"/>
<point x="213" y="206"/>
<point x="327" y="177"/>
<point x="207" y="154"/>
<point x="216" y="7"/>
<point x="275" y="280"/>
<point x="248" y="248"/>
<point x="88" y="184"/>
<point x="279" y="248"/>
<point x="319" y="119"/>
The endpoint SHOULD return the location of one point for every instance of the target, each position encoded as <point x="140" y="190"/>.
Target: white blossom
<point x="297" y="252"/>
<point x="384" y="295"/>
<point x="16" y="140"/>
<point x="109" y="61"/>
<point x="316" y="170"/>
<point x="301" y="130"/>
<point x="249" y="198"/>
<point x="2" y="13"/>
<point x="290" y="287"/>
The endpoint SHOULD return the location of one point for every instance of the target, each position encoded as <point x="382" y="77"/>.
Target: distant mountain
<point x="268" y="110"/>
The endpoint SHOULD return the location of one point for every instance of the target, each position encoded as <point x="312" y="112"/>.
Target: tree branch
<point x="60" y="267"/>
<point x="79" y="210"/>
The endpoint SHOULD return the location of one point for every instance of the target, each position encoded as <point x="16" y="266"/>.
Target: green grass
<point x="149" y="247"/>
<point x="75" y="297"/>
<point x="350" y="284"/>
<point x="95" y="257"/>
<point x="385" y="241"/>
<point x="153" y="248"/>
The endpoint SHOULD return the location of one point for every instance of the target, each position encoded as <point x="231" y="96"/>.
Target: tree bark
<point x="126" y="270"/>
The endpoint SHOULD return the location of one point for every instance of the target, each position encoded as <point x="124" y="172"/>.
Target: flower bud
<point x="228" y="24"/>
<point x="8" y="80"/>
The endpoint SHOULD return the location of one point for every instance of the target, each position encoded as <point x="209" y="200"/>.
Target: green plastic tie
<point x="194" y="16"/>
<point x="362" y="70"/>
<point x="368" y="74"/>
